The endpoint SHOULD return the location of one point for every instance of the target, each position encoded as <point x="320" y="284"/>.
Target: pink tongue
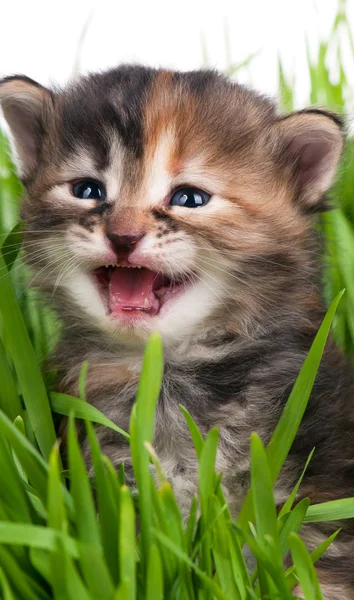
<point x="131" y="289"/>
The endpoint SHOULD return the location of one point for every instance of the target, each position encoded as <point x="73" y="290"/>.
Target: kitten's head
<point x="166" y="201"/>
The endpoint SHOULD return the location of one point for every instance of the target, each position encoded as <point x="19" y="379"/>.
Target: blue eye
<point x="89" y="190"/>
<point x="190" y="198"/>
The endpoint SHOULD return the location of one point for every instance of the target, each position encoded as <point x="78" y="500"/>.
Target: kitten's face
<point x="169" y="202"/>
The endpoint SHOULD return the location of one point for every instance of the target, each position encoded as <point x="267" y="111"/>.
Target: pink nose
<point x="124" y="243"/>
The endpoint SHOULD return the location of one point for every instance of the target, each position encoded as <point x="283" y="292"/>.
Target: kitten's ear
<point x="311" y="144"/>
<point x="22" y="101"/>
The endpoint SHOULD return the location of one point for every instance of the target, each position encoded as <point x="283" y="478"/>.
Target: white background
<point x="41" y="38"/>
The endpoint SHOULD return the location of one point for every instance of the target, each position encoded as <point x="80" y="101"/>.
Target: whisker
<point x="29" y="255"/>
<point x="36" y="231"/>
<point x="31" y="243"/>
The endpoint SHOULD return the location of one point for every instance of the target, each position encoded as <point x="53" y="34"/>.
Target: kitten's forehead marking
<point x="113" y="176"/>
<point x="158" y="178"/>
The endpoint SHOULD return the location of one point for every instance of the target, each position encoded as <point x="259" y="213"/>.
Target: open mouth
<point x="135" y="290"/>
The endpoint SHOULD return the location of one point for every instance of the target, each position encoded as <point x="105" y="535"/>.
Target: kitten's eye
<point x="89" y="190"/>
<point x="190" y="197"/>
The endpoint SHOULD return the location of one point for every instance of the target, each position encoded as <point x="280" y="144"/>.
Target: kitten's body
<point x="239" y="327"/>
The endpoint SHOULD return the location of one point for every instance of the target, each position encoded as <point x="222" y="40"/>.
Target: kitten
<point x="182" y="203"/>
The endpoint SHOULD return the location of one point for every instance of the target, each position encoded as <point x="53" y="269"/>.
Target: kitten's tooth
<point x="146" y="303"/>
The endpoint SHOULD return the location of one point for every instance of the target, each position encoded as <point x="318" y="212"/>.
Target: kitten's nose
<point x="124" y="243"/>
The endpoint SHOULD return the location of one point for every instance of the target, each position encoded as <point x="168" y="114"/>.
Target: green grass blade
<point x="141" y="431"/>
<point x="154" y="588"/>
<point x="207" y="486"/>
<point x="321" y="549"/>
<point x="123" y="591"/>
<point x="66" y="581"/>
<point x="35" y="536"/>
<point x="9" y="399"/>
<point x="304" y="569"/>
<point x="7" y="593"/>
<point x="221" y="550"/>
<point x="41" y="560"/>
<point x="149" y="387"/>
<point x="333" y="510"/>
<point x="170" y="563"/>
<point x="291" y="499"/>
<point x="107" y="505"/>
<point x="174" y="530"/>
<point x="12" y="493"/>
<point x="12" y="245"/>
<point x="127" y="553"/>
<point x="292" y="523"/>
<point x="263" y="580"/>
<point x="207" y="475"/>
<point x="26" y="365"/>
<point x="238" y="564"/>
<point x="63" y="404"/>
<point x="20" y="425"/>
<point x="197" y="437"/>
<point x="286" y="95"/>
<point x="266" y="521"/>
<point x="82" y="381"/>
<point x="96" y="575"/>
<point x="191" y="525"/>
<point x="91" y="555"/>
<point x="172" y="513"/>
<point x="263" y="499"/>
<point x="199" y="442"/>
<point x="57" y="518"/>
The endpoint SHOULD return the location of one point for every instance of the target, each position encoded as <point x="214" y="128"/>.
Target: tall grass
<point x="67" y="535"/>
